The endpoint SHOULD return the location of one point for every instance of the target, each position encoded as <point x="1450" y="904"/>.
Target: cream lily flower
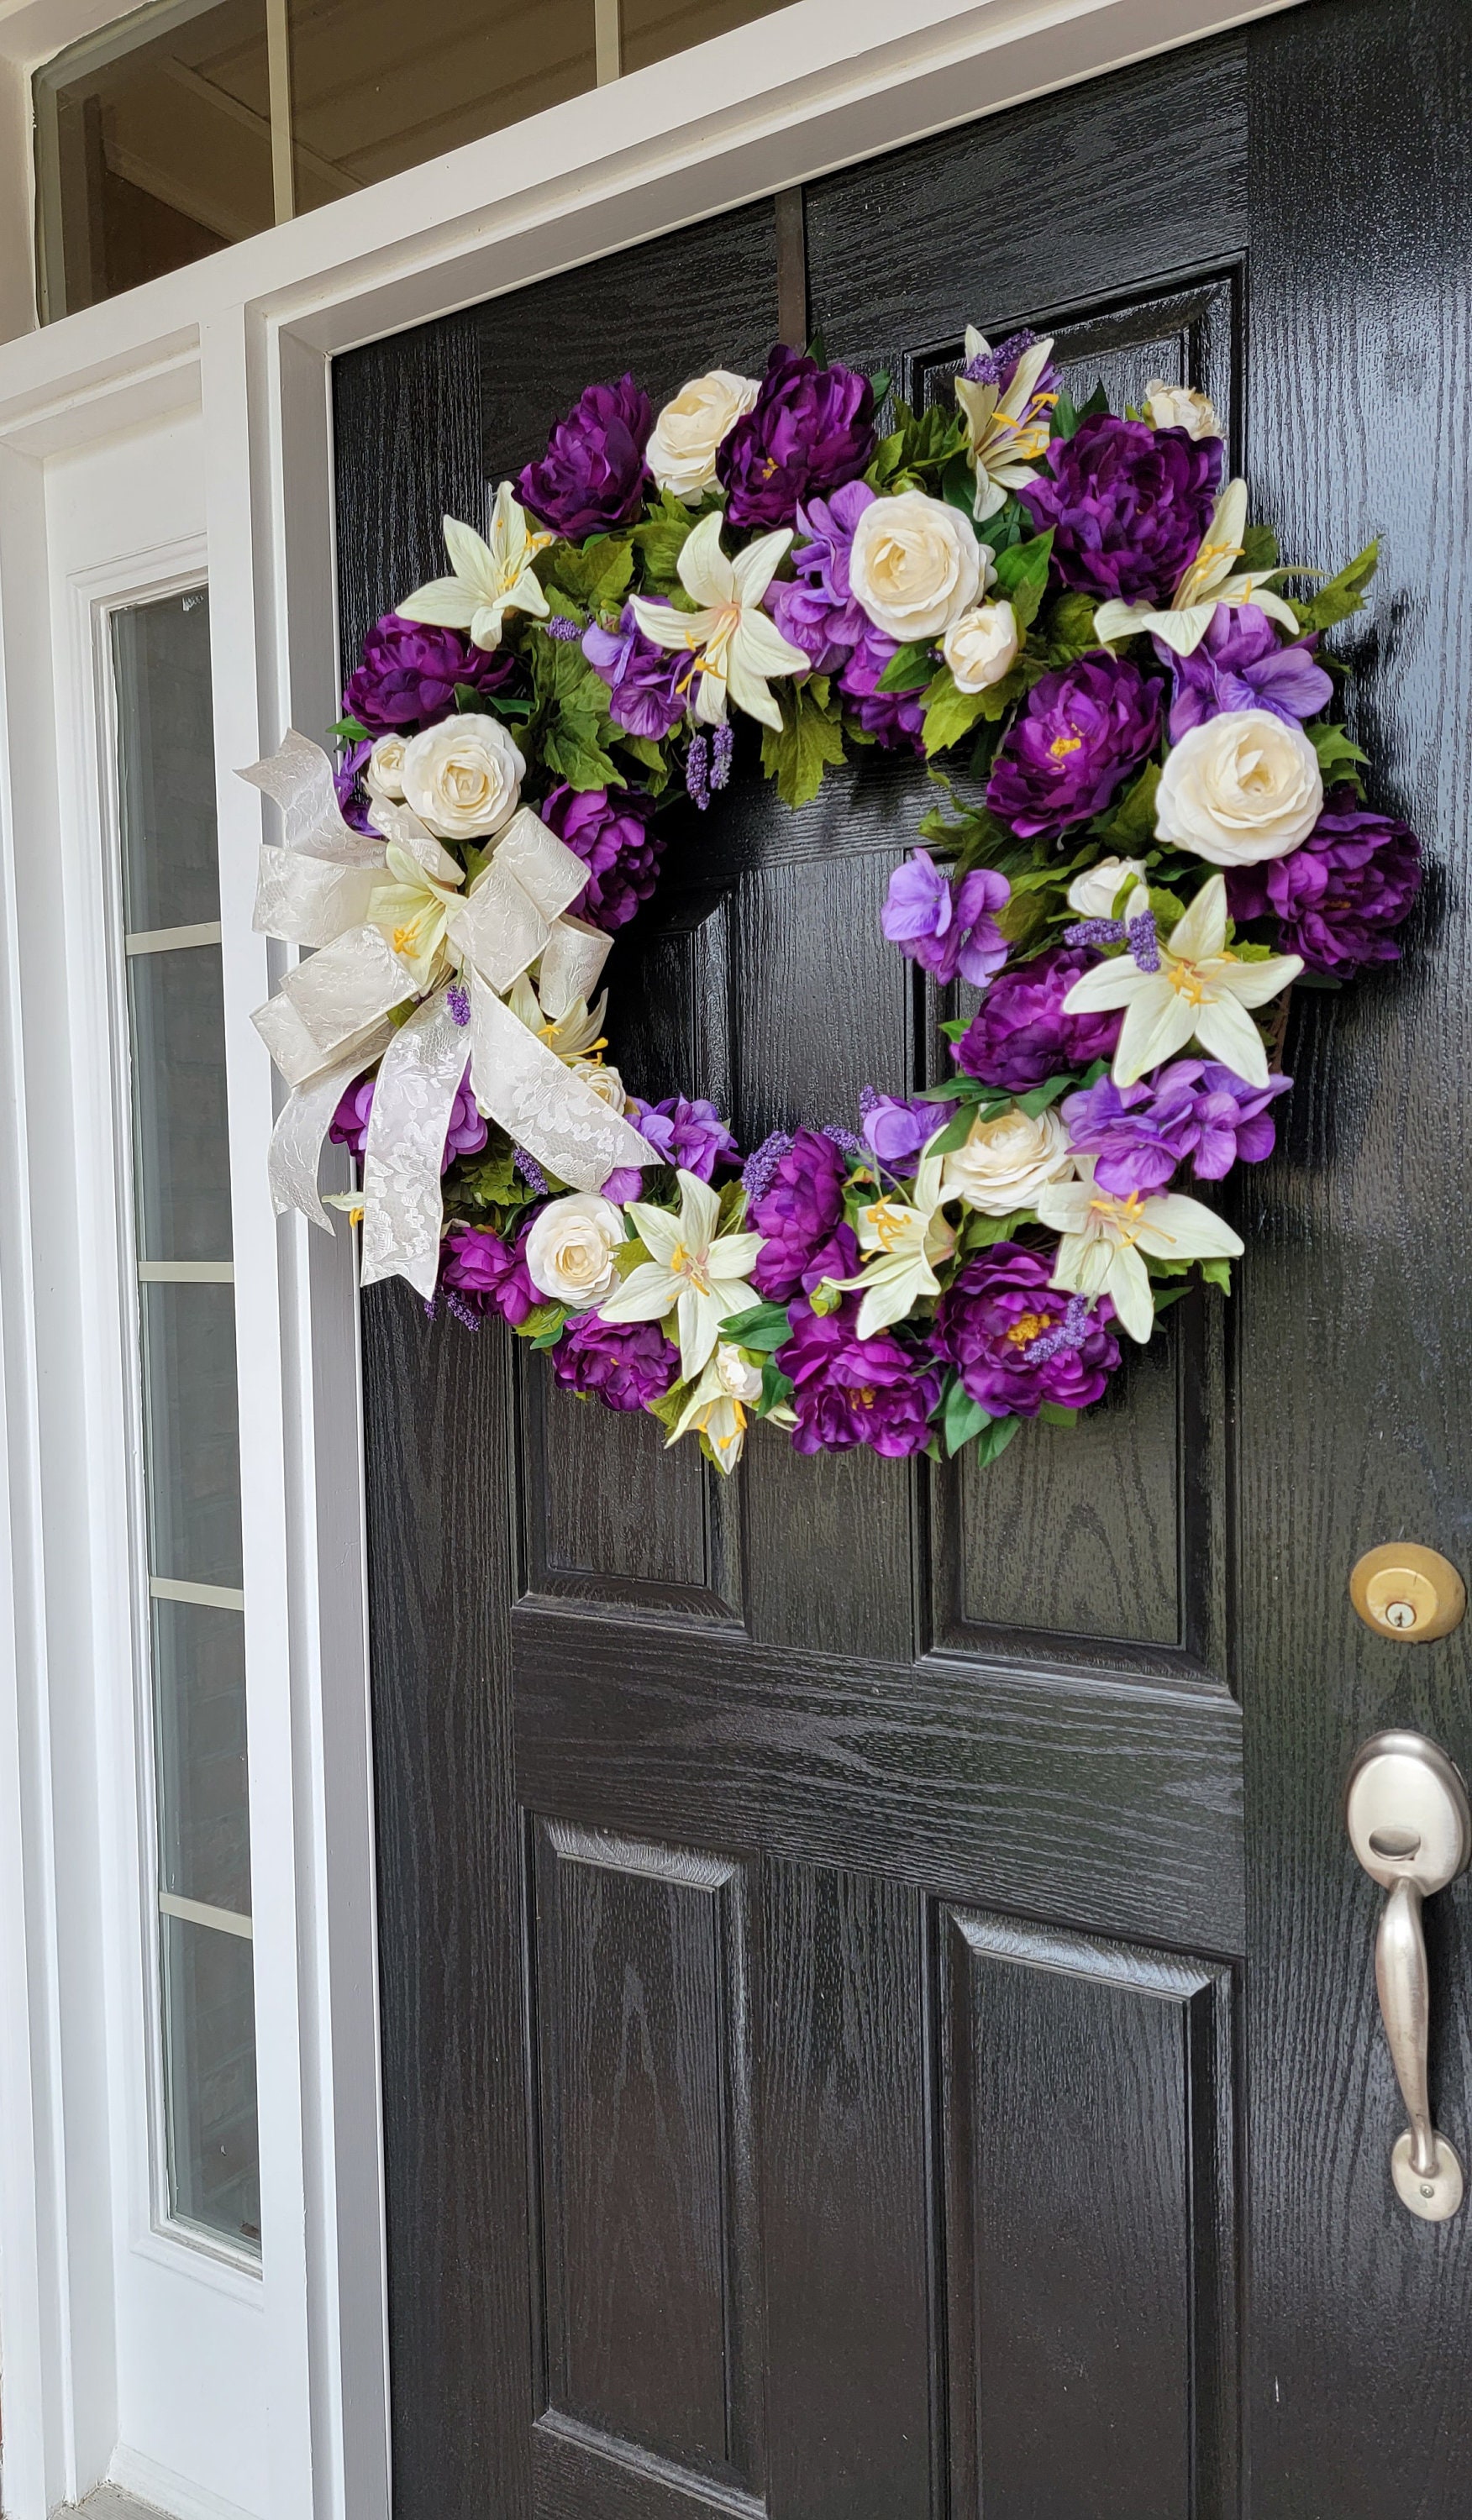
<point x="491" y="578"/>
<point x="1199" y="992"/>
<point x="734" y="646"/>
<point x="1206" y="583"/>
<point x="1103" y="1238"/>
<point x="576" y="1035"/>
<point x="718" y="1406"/>
<point x="909" y="1235"/>
<point x="412" y="910"/>
<point x="692" y="1272"/>
<point x="1005" y="433"/>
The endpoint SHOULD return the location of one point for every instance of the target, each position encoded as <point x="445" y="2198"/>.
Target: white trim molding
<point x="237" y="349"/>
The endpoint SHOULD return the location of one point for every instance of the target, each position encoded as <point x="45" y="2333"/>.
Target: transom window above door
<point x="184" y="126"/>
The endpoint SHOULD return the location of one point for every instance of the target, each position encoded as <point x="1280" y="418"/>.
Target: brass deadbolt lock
<point x="1407" y="1592"/>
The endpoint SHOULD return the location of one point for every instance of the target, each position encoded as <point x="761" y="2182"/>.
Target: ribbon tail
<point x="542" y="1106"/>
<point x="300" y="1133"/>
<point x="412" y="1101"/>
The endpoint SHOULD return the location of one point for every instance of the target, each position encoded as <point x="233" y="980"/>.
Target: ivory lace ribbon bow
<point x="331" y="1017"/>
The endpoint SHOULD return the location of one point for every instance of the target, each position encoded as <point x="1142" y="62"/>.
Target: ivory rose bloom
<point x="1181" y="407"/>
<point x="1093" y="893"/>
<point x="604" y="1082"/>
<point x="1007" y="1161"/>
<point x="570" y="1249"/>
<point x="738" y="1380"/>
<point x="915" y="564"/>
<point x="683" y="444"/>
<point x="385" y="774"/>
<point x="463" y="778"/>
<point x="981" y="645"/>
<point x="1244" y="787"/>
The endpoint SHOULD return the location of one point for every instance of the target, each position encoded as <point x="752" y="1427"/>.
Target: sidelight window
<point x="188" y="124"/>
<point x="188" y="1553"/>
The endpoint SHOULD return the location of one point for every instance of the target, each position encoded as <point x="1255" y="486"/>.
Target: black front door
<point x="878" y="2009"/>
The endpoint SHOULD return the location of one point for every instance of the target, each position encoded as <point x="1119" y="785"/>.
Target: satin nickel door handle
<point x="1410" y="1826"/>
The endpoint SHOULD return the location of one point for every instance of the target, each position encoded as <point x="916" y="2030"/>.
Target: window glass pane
<point x="192" y="1450"/>
<point x="376" y="87"/>
<point x="199" y="1713"/>
<point x="166" y="744"/>
<point x="653" y="29"/>
<point x="181" y="1139"/>
<point x="209" y="2039"/>
<point x="153" y="145"/>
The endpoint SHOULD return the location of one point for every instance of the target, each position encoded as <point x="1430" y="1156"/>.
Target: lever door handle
<point x="1410" y="1826"/>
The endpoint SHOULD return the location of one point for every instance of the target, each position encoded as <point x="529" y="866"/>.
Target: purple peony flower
<point x="894" y="718"/>
<point x="466" y="1136"/>
<point x="592" y="475"/>
<point x="348" y="1125"/>
<point x="946" y="924"/>
<point x="1128" y="505"/>
<point x="1240" y="665"/>
<point x="347" y="779"/>
<point x="849" y="1391"/>
<point x="1194" y="1107"/>
<point x="1020" y="1035"/>
<point x="409" y="670"/>
<point x="628" y="1364"/>
<point x="818" y="608"/>
<point x="612" y="832"/>
<point x="810" y="430"/>
<point x="800" y="1215"/>
<point x="894" y="1131"/>
<point x="1015" y="1341"/>
<point x="1339" y="896"/>
<point x="488" y="1274"/>
<point x="645" y="681"/>
<point x="1081" y="732"/>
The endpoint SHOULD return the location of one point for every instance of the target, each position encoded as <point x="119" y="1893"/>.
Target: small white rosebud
<point x="1181" y="407"/>
<point x="1093" y="893"/>
<point x="982" y="645"/>
<point x="736" y="1379"/>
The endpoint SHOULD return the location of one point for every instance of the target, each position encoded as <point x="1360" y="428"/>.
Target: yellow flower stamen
<point x="1126" y="1215"/>
<point x="685" y="1263"/>
<point x="1186" y="981"/>
<point x="1030" y="1325"/>
<point x="1063" y="745"/>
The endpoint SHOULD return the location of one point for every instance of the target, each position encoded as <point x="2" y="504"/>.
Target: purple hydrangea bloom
<point x="645" y="681"/>
<point x="409" y="670"/>
<point x="818" y="608"/>
<point x="1128" y="505"/>
<point x="1020" y="1035"/>
<point x="810" y="430"/>
<point x="347" y="779"/>
<point x="1081" y="732"/>
<point x="628" y="1364"/>
<point x="1338" y="897"/>
<point x="690" y="1134"/>
<point x="612" y="832"/>
<point x="466" y="1136"/>
<point x="800" y="1215"/>
<point x="995" y="367"/>
<point x="592" y="475"/>
<point x="946" y="924"/>
<point x="1194" y="1107"/>
<point x="894" y="1131"/>
<point x="1240" y="665"/>
<point x="894" y="718"/>
<point x="488" y="1274"/>
<point x="1011" y="1339"/>
<point x="849" y="1391"/>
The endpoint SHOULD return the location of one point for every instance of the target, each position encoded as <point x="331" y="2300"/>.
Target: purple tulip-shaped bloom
<point x="895" y="719"/>
<point x="1079" y="734"/>
<point x="1128" y="506"/>
<point x="1194" y="1108"/>
<point x="800" y="1217"/>
<point x="1240" y="665"/>
<point x="625" y="1365"/>
<point x="347" y="780"/>
<point x="1016" y="1341"/>
<point x="1338" y="898"/>
<point x="945" y="923"/>
<point x="810" y="430"/>
<point x="485" y="1274"/>
<point x="643" y="680"/>
<point x="592" y="476"/>
<point x="612" y="832"/>
<point x="818" y="608"/>
<point x="1020" y="1035"/>
<point x="849" y="1391"/>
<point x="409" y="671"/>
<point x="895" y="1130"/>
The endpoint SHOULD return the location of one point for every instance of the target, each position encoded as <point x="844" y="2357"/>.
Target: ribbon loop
<point x="573" y="959"/>
<point x="299" y="777"/>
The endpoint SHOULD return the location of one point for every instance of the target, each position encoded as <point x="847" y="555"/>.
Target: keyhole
<point x="1394" y="1844"/>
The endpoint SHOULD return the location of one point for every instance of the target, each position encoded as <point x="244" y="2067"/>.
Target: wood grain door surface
<point x="877" y="2001"/>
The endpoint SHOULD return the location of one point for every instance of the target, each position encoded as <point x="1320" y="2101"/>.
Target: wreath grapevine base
<point x="1150" y="823"/>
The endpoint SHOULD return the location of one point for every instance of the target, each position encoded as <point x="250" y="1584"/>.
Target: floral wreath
<point x="1151" y="824"/>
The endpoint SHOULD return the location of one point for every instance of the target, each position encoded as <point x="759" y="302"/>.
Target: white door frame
<point x="243" y="342"/>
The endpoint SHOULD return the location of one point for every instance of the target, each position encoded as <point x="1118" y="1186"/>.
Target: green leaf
<point x="348" y="730"/>
<point x="776" y="1389"/>
<point x="543" y="1324"/>
<point x="670" y="1408"/>
<point x="1134" y="817"/>
<point x="880" y="383"/>
<point x="1068" y="626"/>
<point x="958" y="489"/>
<point x="1052" y="1415"/>
<point x="765" y="1327"/>
<point x="994" y="1439"/>
<point x="980" y="1231"/>
<point x="1260" y="550"/>
<point x="1339" y="756"/>
<point x="809" y="742"/>
<point x="1040" y="1097"/>
<point x="909" y="668"/>
<point x="1342" y="594"/>
<point x="955" y="1132"/>
<point x="962" y="1419"/>
<point x="1217" y="1273"/>
<point x="572" y="752"/>
<point x="662" y="537"/>
<point x="1022" y="920"/>
<point x="595" y="573"/>
<point x="643" y="749"/>
<point x="1022" y="576"/>
<point x="949" y="713"/>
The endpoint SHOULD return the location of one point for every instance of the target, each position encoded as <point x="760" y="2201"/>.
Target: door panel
<point x="836" y="2010"/>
